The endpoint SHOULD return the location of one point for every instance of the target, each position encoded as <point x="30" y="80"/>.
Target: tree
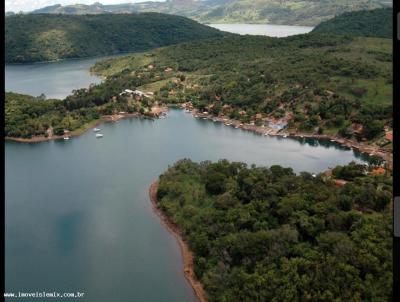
<point x="215" y="183"/>
<point x="372" y="128"/>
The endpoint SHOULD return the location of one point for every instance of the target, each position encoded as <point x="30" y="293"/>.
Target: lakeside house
<point x="279" y="125"/>
<point x="378" y="171"/>
<point x="340" y="182"/>
<point x="389" y="136"/>
<point x="136" y="92"/>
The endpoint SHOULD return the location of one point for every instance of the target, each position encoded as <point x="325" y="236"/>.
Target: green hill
<point x="373" y="23"/>
<point x="33" y="38"/>
<point x="290" y="12"/>
<point x="320" y="83"/>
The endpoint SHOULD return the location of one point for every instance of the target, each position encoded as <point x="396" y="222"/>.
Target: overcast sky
<point x="28" y="5"/>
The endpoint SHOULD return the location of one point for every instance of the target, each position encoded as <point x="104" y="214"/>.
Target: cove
<point x="78" y="215"/>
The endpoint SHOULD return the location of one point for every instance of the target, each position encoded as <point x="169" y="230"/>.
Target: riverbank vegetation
<point x="318" y="83"/>
<point x="267" y="234"/>
<point x="46" y="37"/>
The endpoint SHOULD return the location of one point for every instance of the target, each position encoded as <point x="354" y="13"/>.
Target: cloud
<point x="28" y="5"/>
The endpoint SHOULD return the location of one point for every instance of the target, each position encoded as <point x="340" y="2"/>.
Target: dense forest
<point x="33" y="38"/>
<point x="373" y="23"/>
<point x="318" y="82"/>
<point x="288" y="12"/>
<point x="267" y="234"/>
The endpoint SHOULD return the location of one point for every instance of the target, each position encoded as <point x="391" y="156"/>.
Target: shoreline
<point x="187" y="254"/>
<point x="267" y="131"/>
<point x="80" y="131"/>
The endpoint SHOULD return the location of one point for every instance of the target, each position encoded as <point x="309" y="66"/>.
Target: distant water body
<point x="263" y="29"/>
<point x="54" y="79"/>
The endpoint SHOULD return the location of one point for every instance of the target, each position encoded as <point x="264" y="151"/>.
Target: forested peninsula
<point x="48" y="37"/>
<point x="268" y="234"/>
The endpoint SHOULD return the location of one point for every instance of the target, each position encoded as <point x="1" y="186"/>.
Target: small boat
<point x="66" y="138"/>
<point x="236" y="127"/>
<point x="96" y="129"/>
<point x="228" y="124"/>
<point x="332" y="140"/>
<point x="285" y="136"/>
<point x="98" y="135"/>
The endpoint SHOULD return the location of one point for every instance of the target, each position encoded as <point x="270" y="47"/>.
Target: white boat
<point x="98" y="135"/>
<point x="204" y="118"/>
<point x="96" y="129"/>
<point x="285" y="136"/>
<point x="66" y="138"/>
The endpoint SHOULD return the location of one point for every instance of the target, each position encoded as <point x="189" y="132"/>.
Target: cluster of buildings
<point x="136" y="93"/>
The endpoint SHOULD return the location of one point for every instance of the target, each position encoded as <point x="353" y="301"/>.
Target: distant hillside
<point x="33" y="38"/>
<point x="373" y="23"/>
<point x="291" y="12"/>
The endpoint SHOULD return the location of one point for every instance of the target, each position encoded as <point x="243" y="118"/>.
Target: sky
<point x="28" y="5"/>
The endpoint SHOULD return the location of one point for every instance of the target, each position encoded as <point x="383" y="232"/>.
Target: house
<point x="258" y="116"/>
<point x="378" y="171"/>
<point x="279" y="125"/>
<point x="340" y="182"/>
<point x="357" y="128"/>
<point x="389" y="136"/>
<point x="168" y="69"/>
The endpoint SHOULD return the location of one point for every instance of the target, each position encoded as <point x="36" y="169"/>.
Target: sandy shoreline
<point x="187" y="254"/>
<point x="356" y="146"/>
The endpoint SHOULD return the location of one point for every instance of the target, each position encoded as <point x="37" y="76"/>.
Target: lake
<point x="54" y="79"/>
<point x="269" y="30"/>
<point x="78" y="215"/>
